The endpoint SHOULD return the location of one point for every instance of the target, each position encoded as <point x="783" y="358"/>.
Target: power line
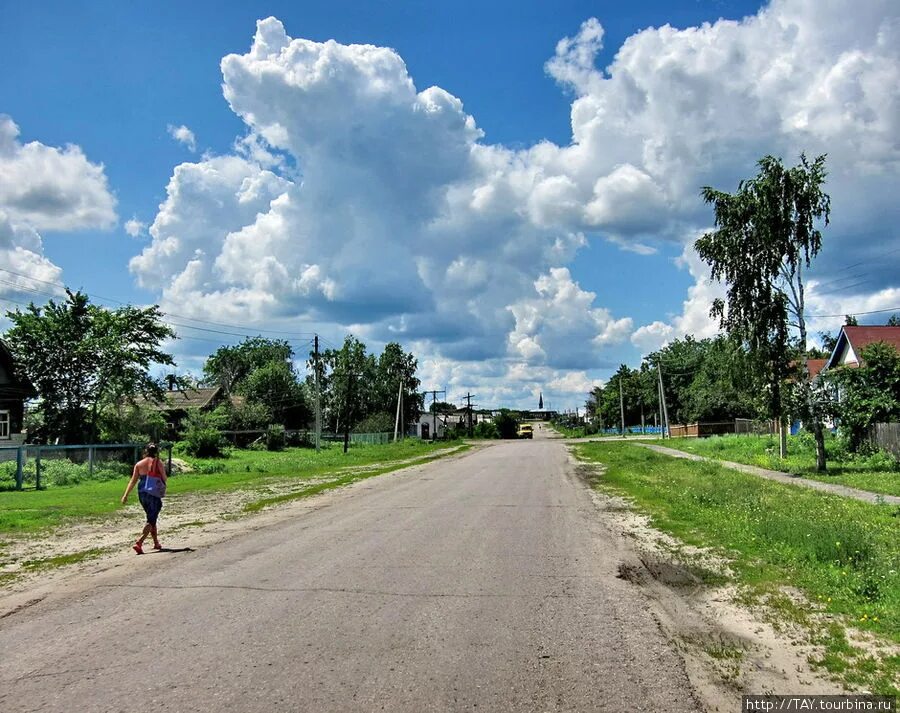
<point x="855" y="314"/>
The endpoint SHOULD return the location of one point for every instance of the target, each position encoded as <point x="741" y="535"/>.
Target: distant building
<point x="428" y="426"/>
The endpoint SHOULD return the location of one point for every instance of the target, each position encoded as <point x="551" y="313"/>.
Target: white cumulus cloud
<point x="135" y="227"/>
<point x="51" y="188"/>
<point x="358" y="199"/>
<point x="183" y="135"/>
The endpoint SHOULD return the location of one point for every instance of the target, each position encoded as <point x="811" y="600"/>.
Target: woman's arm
<point x="162" y="471"/>
<point x="134" y="478"/>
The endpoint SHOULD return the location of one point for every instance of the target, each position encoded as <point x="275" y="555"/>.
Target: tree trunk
<point x="819" y="433"/>
<point x="782" y="438"/>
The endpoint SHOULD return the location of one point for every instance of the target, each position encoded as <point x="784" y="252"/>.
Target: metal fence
<point x="634" y="430"/>
<point x="886" y="436"/>
<point x="34" y="466"/>
<point x="758" y="428"/>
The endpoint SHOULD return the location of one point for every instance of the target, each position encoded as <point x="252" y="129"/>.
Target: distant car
<point x="525" y="431"/>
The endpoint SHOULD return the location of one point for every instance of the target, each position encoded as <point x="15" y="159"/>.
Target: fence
<point x="886" y="436"/>
<point x="633" y="430"/>
<point x="243" y="438"/>
<point x="63" y="465"/>
<point x="759" y="428"/>
<point x="369" y="439"/>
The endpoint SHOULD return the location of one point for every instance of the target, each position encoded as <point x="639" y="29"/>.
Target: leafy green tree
<point x="347" y="375"/>
<point x="396" y="366"/>
<point x="274" y="385"/>
<point x="723" y="387"/>
<point x="230" y="366"/>
<point x="869" y="394"/>
<point x="765" y="234"/>
<point x="83" y="358"/>
<point x="261" y="370"/>
<point x="506" y="424"/>
<point x="441" y="407"/>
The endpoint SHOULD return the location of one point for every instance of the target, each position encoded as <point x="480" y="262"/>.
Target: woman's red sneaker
<point x="137" y="547"/>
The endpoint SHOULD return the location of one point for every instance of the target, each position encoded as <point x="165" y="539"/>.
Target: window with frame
<point x="4" y="425"/>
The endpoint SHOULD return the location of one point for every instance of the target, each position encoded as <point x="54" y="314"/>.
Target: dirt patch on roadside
<point x="729" y="650"/>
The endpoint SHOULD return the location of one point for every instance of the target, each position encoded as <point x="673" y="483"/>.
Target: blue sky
<point x="489" y="276"/>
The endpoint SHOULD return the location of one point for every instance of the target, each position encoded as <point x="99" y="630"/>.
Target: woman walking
<point x="150" y="475"/>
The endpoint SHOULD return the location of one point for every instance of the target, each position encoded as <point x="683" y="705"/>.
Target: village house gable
<point x="853" y="339"/>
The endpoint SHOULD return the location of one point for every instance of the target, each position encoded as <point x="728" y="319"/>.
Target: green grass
<point x="844" y="555"/>
<point x="34" y="510"/>
<point x="877" y="473"/>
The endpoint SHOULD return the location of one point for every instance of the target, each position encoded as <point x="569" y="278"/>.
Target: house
<point x="852" y="340"/>
<point x="428" y="426"/>
<point x="15" y="390"/>
<point x="177" y="403"/>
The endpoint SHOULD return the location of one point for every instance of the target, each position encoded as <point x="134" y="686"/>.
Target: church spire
<point x="541" y="402"/>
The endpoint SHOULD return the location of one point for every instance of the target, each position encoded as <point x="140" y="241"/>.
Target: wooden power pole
<point x="663" y="411"/>
<point x="399" y="404"/>
<point x="434" y="394"/>
<point x="318" y="394"/>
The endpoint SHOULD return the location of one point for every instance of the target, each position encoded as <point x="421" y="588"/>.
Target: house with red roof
<point x="852" y="340"/>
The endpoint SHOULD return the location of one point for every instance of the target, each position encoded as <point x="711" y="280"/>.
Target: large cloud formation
<point x="356" y="199"/>
<point x="43" y="188"/>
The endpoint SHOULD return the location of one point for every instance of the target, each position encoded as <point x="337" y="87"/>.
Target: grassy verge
<point x="31" y="511"/>
<point x="877" y="473"/>
<point x="843" y="555"/>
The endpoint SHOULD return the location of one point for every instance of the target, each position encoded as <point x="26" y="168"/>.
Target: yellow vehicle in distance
<point x="525" y="431"/>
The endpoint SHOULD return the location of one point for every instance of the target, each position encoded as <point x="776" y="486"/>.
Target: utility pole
<point x="318" y="394"/>
<point x="434" y="394"/>
<point x="663" y="411"/>
<point x="347" y="413"/>
<point x="399" y="403"/>
<point x="621" y="407"/>
<point x="468" y="397"/>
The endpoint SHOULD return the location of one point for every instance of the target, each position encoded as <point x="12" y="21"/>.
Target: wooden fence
<point x="701" y="430"/>
<point x="886" y="436"/>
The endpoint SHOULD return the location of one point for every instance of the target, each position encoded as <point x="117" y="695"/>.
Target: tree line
<point x="92" y="367"/>
<point x="765" y="238"/>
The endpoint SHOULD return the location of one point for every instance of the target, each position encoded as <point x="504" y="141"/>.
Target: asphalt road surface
<point x="486" y="582"/>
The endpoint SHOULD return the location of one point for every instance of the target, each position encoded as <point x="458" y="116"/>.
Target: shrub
<point x="202" y="438"/>
<point x="376" y="423"/>
<point x="506" y="424"/>
<point x="203" y="442"/>
<point x="275" y="438"/>
<point x="486" y="429"/>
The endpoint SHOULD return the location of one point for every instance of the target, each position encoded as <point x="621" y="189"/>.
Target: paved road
<point x="484" y="583"/>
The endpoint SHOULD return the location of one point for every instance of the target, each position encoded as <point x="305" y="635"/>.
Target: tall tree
<point x="765" y="234"/>
<point x="396" y="368"/>
<point x="230" y="366"/>
<point x="82" y="358"/>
